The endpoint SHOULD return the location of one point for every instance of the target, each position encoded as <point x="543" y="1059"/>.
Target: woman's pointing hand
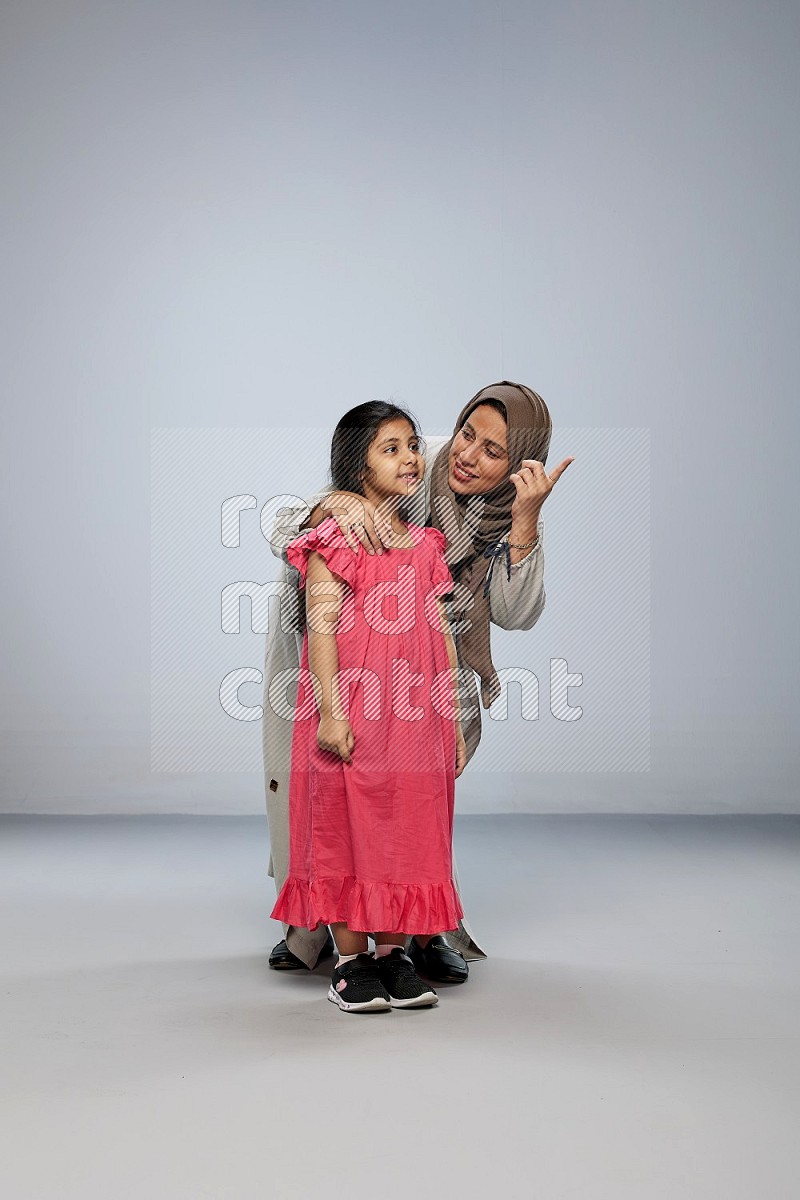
<point x="533" y="485"/>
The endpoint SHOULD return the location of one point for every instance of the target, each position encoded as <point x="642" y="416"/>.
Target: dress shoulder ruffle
<point x="328" y="540"/>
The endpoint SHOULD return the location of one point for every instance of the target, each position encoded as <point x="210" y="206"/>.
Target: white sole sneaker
<point x="426" y="1000"/>
<point x="378" y="1004"/>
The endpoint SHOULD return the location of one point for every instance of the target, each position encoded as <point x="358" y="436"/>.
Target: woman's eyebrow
<point x="486" y="441"/>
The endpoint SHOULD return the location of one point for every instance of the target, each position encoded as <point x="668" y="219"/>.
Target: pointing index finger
<point x="558" y="471"/>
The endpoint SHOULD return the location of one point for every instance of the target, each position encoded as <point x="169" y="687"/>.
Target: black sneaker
<point x="405" y="988"/>
<point x="356" y="986"/>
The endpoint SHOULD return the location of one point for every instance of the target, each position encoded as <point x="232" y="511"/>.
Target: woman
<point x="485" y="487"/>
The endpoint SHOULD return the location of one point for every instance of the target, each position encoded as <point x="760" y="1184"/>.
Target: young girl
<point x="377" y="742"/>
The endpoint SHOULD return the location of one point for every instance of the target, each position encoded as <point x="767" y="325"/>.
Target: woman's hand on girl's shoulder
<point x="336" y="736"/>
<point x="355" y="517"/>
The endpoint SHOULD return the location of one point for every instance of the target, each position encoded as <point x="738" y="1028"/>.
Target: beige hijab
<point x="529" y="431"/>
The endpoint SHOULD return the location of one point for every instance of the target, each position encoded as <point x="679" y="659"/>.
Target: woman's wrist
<point x="524" y="528"/>
<point x="523" y="538"/>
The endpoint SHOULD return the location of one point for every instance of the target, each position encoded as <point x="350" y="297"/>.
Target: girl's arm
<point x="452" y="656"/>
<point x="323" y="605"/>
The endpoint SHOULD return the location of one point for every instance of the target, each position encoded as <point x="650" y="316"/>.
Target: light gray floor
<point x="635" y="1033"/>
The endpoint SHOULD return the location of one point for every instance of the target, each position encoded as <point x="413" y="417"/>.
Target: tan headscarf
<point x="529" y="430"/>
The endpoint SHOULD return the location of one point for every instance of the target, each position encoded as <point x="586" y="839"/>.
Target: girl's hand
<point x="533" y="486"/>
<point x="355" y="516"/>
<point x="461" y="751"/>
<point x="336" y="736"/>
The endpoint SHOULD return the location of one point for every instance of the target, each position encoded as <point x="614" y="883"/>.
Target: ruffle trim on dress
<point x="367" y="906"/>
<point x="327" y="540"/>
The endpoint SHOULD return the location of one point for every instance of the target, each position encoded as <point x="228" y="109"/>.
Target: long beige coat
<point x="516" y="603"/>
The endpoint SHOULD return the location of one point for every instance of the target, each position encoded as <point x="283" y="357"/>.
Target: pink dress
<point x="371" y="840"/>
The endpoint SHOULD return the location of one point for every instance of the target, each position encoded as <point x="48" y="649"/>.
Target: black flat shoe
<point x="282" y="959"/>
<point x="438" y="961"/>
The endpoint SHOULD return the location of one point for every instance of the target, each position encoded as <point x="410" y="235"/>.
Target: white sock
<point x="345" y="958"/>
<point x="387" y="948"/>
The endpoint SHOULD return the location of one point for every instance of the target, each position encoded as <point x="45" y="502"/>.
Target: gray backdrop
<point x="252" y="216"/>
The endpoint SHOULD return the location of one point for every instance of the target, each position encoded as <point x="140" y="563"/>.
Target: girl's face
<point x="479" y="454"/>
<point x="395" y="465"/>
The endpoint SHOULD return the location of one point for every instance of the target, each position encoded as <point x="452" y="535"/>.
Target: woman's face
<point x="479" y="454"/>
<point x="395" y="465"/>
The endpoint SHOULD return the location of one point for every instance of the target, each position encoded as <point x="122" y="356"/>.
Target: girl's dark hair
<point x="353" y="437"/>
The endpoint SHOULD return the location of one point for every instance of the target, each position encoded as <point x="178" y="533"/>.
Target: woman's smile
<point x="460" y="473"/>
